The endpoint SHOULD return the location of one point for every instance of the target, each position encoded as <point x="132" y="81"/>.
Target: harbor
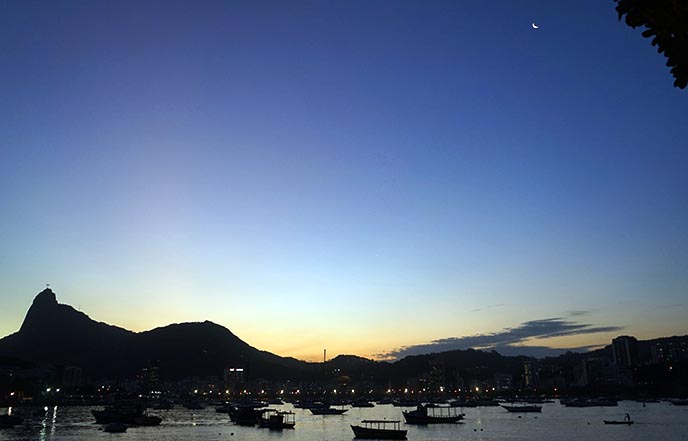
<point x="655" y="421"/>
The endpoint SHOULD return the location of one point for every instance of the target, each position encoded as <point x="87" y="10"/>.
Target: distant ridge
<point x="55" y="334"/>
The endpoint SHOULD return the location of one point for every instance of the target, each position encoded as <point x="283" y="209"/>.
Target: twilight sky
<point x="371" y="177"/>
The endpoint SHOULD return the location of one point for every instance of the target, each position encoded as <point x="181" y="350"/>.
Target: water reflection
<point x="657" y="421"/>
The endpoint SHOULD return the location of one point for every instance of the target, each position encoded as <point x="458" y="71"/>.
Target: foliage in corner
<point x="667" y="23"/>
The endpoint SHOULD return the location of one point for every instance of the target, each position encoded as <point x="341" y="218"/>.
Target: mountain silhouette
<point x="57" y="334"/>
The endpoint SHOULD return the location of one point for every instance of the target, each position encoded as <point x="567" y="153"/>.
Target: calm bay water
<point x="656" y="421"/>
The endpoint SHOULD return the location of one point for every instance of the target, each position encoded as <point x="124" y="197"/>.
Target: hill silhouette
<point x="57" y="334"/>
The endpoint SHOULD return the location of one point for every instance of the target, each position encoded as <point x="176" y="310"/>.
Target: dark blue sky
<point x="294" y="161"/>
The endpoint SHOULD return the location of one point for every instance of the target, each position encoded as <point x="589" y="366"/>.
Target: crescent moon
<point x="534" y="25"/>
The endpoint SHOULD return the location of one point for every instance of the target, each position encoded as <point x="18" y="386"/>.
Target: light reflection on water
<point x="656" y="422"/>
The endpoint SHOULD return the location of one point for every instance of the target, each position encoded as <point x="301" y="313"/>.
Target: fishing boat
<point x="526" y="408"/>
<point x="379" y="429"/>
<point x="432" y="415"/>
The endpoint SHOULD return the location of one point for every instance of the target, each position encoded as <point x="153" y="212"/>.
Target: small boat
<point x="432" y="415"/>
<point x="225" y="408"/>
<point x="379" y="429"/>
<point x="163" y="405"/>
<point x="474" y="403"/>
<point x="289" y="419"/>
<point x="245" y="415"/>
<point x="538" y="401"/>
<point x="627" y="421"/>
<point x="194" y="405"/>
<point x="115" y="428"/>
<point x="306" y="404"/>
<point x="405" y="403"/>
<point x="362" y="403"/>
<point x="327" y="410"/>
<point x="147" y="420"/>
<point x="595" y="402"/>
<point x="526" y="408"/>
<point x="683" y="402"/>
<point x="126" y="413"/>
<point x="275" y="420"/>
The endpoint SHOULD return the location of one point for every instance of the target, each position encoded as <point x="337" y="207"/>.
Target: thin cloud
<point x="507" y="339"/>
<point x="498" y="305"/>
<point x="578" y="313"/>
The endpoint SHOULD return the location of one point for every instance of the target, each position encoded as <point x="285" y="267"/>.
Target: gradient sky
<point x="370" y="177"/>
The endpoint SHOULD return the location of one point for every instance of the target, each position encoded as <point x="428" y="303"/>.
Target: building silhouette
<point x="625" y="351"/>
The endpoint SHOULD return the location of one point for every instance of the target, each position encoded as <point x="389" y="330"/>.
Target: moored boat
<point x="193" y="405"/>
<point x="594" y="402"/>
<point x="432" y="415"/>
<point x="126" y="413"/>
<point x="224" y="408"/>
<point x="163" y="405"/>
<point x="474" y="403"/>
<point x="270" y="419"/>
<point x="526" y="408"/>
<point x="362" y="403"/>
<point x="627" y="420"/>
<point x="327" y="410"/>
<point x="405" y="403"/>
<point x="245" y="415"/>
<point x="288" y="419"/>
<point x="379" y="429"/>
